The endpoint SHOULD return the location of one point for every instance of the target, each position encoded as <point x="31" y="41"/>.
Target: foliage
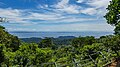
<point x="27" y="55"/>
<point x="81" y="41"/>
<point x="18" y="54"/>
<point x="47" y="42"/>
<point x="112" y="42"/>
<point x="81" y="50"/>
<point x="62" y="40"/>
<point x="31" y="40"/>
<point x="1" y="53"/>
<point x="9" y="40"/>
<point x="1" y="27"/>
<point x="113" y="15"/>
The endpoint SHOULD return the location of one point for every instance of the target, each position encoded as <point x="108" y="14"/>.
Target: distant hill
<point x="60" y="40"/>
<point x="42" y="34"/>
<point x="31" y="40"/>
<point x="66" y="37"/>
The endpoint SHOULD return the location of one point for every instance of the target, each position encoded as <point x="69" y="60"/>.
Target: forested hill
<point x="82" y="51"/>
<point x="61" y="40"/>
<point x="8" y="40"/>
<point x="31" y="40"/>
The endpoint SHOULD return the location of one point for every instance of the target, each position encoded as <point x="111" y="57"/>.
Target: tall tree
<point x="9" y="40"/>
<point x="113" y="15"/>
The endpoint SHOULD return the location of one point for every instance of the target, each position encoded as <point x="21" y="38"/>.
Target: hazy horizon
<point x="26" y="34"/>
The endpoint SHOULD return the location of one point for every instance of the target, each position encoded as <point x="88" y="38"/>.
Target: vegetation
<point x="14" y="52"/>
<point x="113" y="15"/>
<point x="61" y="40"/>
<point x="86" y="51"/>
<point x="9" y="40"/>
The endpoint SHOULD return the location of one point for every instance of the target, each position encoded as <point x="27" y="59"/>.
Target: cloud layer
<point x="75" y="14"/>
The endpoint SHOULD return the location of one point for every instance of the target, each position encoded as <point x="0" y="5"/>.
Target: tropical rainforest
<point x="76" y="52"/>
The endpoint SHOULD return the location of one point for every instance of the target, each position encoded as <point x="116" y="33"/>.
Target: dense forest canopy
<point x="14" y="52"/>
<point x="76" y="52"/>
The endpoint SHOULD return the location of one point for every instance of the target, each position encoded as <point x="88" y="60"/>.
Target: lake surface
<point x="57" y="34"/>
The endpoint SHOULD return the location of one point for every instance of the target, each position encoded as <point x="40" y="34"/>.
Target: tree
<point x="47" y="42"/>
<point x="28" y="55"/>
<point x="9" y="40"/>
<point x="1" y="53"/>
<point x="1" y="27"/>
<point x="81" y="41"/>
<point x="113" y="15"/>
<point x="111" y="42"/>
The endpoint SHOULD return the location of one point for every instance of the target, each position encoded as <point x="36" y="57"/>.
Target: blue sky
<point x="55" y="15"/>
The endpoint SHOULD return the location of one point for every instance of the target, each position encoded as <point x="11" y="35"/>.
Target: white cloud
<point x="42" y="6"/>
<point x="27" y="17"/>
<point x="64" y="6"/>
<point x="75" y="19"/>
<point x="63" y="12"/>
<point x="98" y="3"/>
<point x="89" y="11"/>
<point x="80" y="1"/>
<point x="71" y="9"/>
<point x="9" y="12"/>
<point x="46" y="17"/>
<point x="67" y="27"/>
<point x="99" y="6"/>
<point x="12" y="14"/>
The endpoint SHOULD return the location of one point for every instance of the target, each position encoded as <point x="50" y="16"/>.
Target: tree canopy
<point x="113" y="15"/>
<point x="8" y="40"/>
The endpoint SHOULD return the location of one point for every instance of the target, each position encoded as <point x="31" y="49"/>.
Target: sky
<point x="55" y="15"/>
